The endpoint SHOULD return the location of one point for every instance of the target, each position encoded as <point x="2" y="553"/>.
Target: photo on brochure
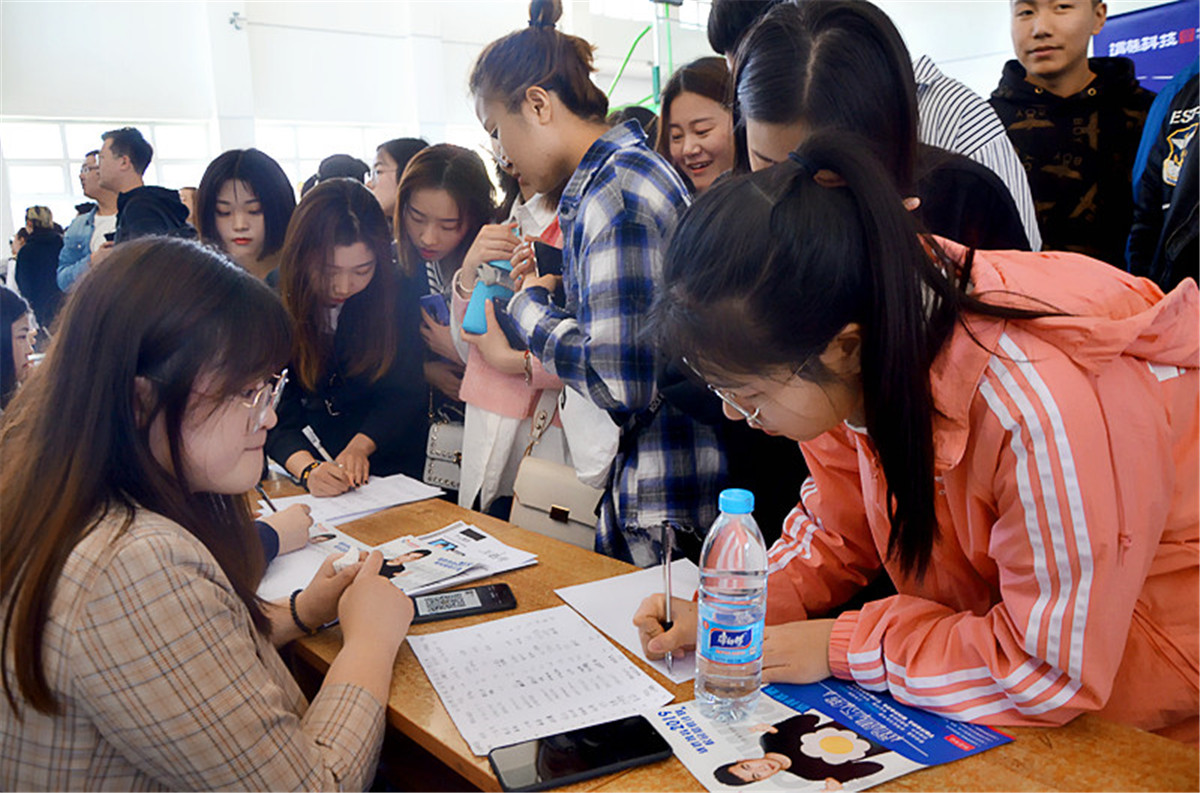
<point x="831" y="735"/>
<point x="412" y="563"/>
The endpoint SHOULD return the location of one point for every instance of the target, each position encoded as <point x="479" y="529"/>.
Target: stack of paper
<point x="453" y="555"/>
<point x="489" y="554"/>
<point x="413" y="564"/>
<point x="379" y="493"/>
<point x="532" y="675"/>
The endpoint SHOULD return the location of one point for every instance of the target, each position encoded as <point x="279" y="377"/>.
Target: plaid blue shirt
<point x="617" y="213"/>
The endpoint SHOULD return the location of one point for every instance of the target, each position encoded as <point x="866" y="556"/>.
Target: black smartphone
<point x="508" y="324"/>
<point x="435" y="306"/>
<point x="570" y="757"/>
<point x="463" y="603"/>
<point x="549" y="259"/>
<point x="110" y="236"/>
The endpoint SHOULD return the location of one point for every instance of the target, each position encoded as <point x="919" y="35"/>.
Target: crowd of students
<point x="880" y="302"/>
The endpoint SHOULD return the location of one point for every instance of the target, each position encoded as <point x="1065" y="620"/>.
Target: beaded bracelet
<point x="308" y="469"/>
<point x="528" y="362"/>
<point x="296" y="616"/>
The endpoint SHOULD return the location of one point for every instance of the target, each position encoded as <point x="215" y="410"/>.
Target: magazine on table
<point x="412" y="564"/>
<point x="489" y="554"/>
<point x="453" y="555"/>
<point x="817" y="737"/>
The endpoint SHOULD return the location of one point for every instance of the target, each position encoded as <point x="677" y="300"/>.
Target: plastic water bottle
<point x="732" y="611"/>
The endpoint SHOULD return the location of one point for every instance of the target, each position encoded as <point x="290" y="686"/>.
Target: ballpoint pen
<point x="311" y="434"/>
<point x="668" y="549"/>
<point x="266" y="498"/>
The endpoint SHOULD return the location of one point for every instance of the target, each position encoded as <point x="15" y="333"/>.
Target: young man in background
<point x="1075" y="122"/>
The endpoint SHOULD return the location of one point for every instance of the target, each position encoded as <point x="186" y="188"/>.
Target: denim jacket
<point x="76" y="252"/>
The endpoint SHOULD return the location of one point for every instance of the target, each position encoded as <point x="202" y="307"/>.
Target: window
<point x="299" y="147"/>
<point x="42" y="159"/>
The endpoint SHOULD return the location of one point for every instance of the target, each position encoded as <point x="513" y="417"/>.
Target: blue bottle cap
<point x="736" y="501"/>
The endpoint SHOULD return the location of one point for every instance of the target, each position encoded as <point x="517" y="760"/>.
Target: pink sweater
<point x="1065" y="575"/>
<point x="506" y="394"/>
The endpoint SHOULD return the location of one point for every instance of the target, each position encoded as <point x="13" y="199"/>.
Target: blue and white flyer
<point x="823" y="736"/>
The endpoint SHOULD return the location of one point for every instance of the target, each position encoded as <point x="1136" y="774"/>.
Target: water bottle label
<point x="729" y="644"/>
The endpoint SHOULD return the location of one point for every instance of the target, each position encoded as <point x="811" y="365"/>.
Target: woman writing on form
<point x="1010" y="437"/>
<point x="135" y="653"/>
<point x="355" y="375"/>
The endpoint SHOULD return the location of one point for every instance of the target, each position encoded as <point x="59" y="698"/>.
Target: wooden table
<point x="1087" y="754"/>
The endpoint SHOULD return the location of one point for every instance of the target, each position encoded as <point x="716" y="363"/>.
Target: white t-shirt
<point x="104" y="225"/>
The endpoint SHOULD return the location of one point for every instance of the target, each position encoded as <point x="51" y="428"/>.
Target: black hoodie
<point x="151" y="210"/>
<point x="1078" y="152"/>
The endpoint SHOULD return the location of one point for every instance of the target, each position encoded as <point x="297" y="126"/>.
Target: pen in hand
<point x="266" y="499"/>
<point x="311" y="434"/>
<point x="668" y="549"/>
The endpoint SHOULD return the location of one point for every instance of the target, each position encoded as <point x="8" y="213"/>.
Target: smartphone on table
<point x="569" y="757"/>
<point x="463" y="603"/>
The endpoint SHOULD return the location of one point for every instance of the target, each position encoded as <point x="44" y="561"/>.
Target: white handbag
<point x="547" y="496"/>
<point x="443" y="453"/>
<point x="592" y="437"/>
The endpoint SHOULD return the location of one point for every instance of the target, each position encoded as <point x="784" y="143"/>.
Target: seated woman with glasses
<point x="136" y="655"/>
<point x="355" y="403"/>
<point x="1011" y="438"/>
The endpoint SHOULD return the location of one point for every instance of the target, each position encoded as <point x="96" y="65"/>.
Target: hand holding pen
<point x="668" y="549"/>
<point x="325" y="480"/>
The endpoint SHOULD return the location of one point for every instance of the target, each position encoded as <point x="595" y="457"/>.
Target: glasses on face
<point x="376" y="172"/>
<point x="266" y="398"/>
<point x="88" y="168"/>
<point x="752" y="418"/>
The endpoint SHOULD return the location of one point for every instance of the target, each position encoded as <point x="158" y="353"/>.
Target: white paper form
<point x="380" y="492"/>
<point x="291" y="571"/>
<point x="532" y="675"/>
<point x="610" y="604"/>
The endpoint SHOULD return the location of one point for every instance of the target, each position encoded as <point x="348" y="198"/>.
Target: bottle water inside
<point x="732" y="611"/>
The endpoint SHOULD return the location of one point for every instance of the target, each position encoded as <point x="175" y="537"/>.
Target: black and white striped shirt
<point x="956" y="118"/>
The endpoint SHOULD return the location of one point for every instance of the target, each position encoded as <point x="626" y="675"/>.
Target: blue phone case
<point x="435" y="306"/>
<point x="475" y="320"/>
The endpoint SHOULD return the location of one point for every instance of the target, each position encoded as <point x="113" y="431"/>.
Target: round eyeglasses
<point x="752" y="418"/>
<point x="265" y="398"/>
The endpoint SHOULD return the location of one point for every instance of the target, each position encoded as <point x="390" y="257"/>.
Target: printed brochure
<point x="817" y="737"/>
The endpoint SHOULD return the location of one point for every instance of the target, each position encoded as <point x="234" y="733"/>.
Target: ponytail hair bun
<point x="544" y="14"/>
<point x="543" y="56"/>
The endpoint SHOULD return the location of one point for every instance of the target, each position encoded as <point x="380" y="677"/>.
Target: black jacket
<point x="392" y="411"/>
<point x="144" y="210"/>
<point x="37" y="269"/>
<point x="1163" y="240"/>
<point x="966" y="202"/>
<point x="1078" y="152"/>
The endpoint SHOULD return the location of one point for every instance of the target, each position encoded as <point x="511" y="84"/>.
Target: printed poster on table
<point x="801" y="737"/>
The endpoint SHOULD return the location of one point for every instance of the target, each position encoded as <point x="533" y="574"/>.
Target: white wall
<point x="397" y="67"/>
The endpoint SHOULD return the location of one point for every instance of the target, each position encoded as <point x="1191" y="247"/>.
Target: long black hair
<point x="765" y="270"/>
<point x="833" y="64"/>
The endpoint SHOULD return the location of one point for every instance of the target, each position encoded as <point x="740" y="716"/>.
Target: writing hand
<point x="328" y="479"/>
<point x="649" y="619"/>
